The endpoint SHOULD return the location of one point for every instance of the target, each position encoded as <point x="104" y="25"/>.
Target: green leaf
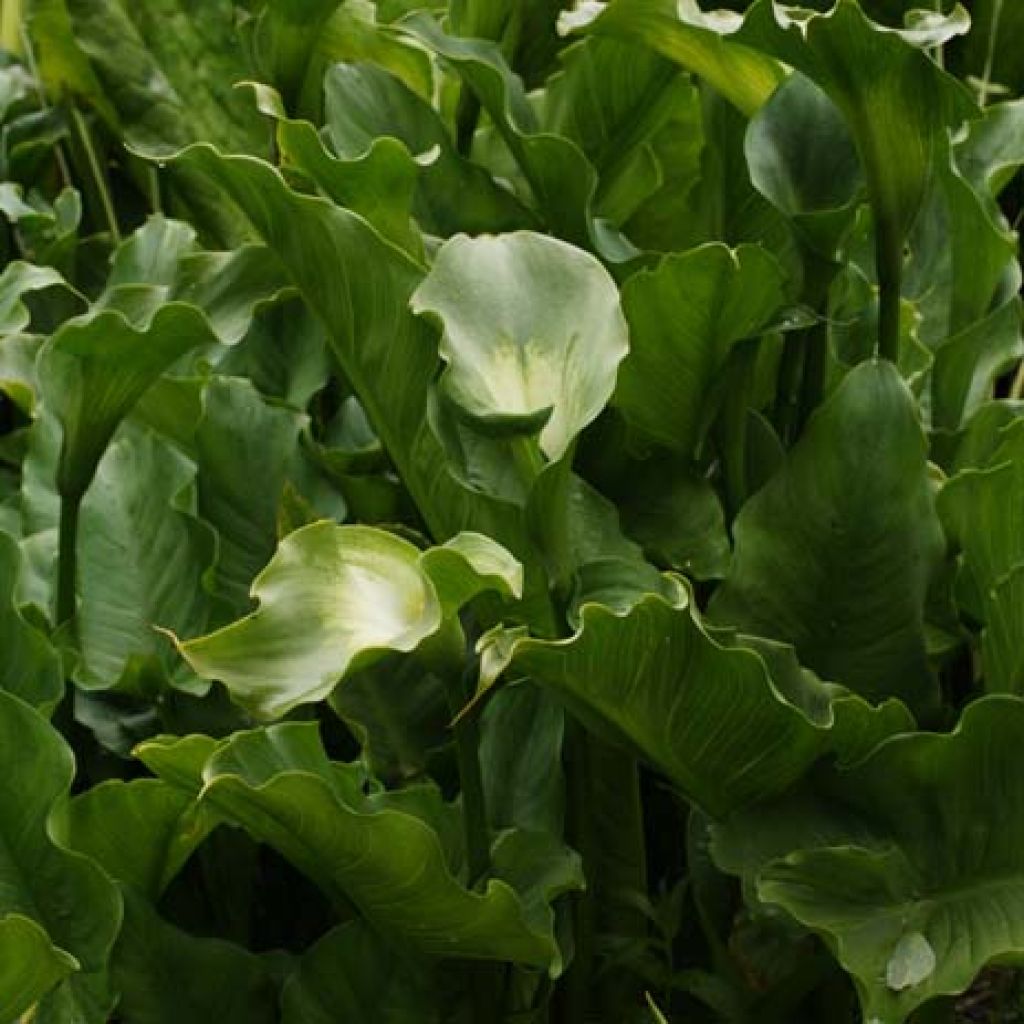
<point x="480" y="19"/>
<point x="136" y="516"/>
<point x="163" y="972"/>
<point x="351" y="974"/>
<point x="531" y="326"/>
<point x="684" y="318"/>
<point x="30" y="965"/>
<point x="284" y="353"/>
<point x="521" y="732"/>
<point x="366" y="105"/>
<point x="332" y="600"/>
<point x="682" y="33"/>
<point x="968" y="364"/>
<point x="675" y="515"/>
<point x="94" y="370"/>
<point x="921" y="895"/>
<point x="64" y="893"/>
<point x="1002" y="641"/>
<point x="835" y="553"/>
<point x="963" y="260"/>
<point x="399" y="711"/>
<point x="356" y="33"/>
<point x="18" y="280"/>
<point x="140" y="832"/>
<point x="611" y="98"/>
<point x="64" y="68"/>
<point x="993" y="148"/>
<point x="975" y="508"/>
<point x="382" y="852"/>
<point x="239" y="439"/>
<point x="379" y="184"/>
<point x="30" y="667"/>
<point x="803" y="160"/>
<point x="284" y="39"/>
<point x="650" y="677"/>
<point x="560" y="178"/>
<point x="168" y="73"/>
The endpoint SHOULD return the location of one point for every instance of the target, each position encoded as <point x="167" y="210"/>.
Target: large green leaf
<point x="684" y="318"/>
<point x="378" y="184"/>
<point x="802" y="159"/>
<point x="963" y="260"/>
<point x="161" y="262"/>
<point x="168" y="73"/>
<point x="30" y="965"/>
<point x="64" y="893"/>
<point x="140" y="832"/>
<point x="284" y="39"/>
<point x="980" y="509"/>
<point x="95" y="368"/>
<point x="836" y="552"/>
<point x="388" y="855"/>
<point x="917" y="886"/>
<point x="284" y="353"/>
<point x="137" y="516"/>
<point x="532" y="329"/>
<point x="674" y="513"/>
<point x="1002" y="646"/>
<point x="648" y="675"/>
<point x="334" y="598"/>
<point x="682" y="33"/>
<point x="241" y="438"/>
<point x="30" y="667"/>
<point x="351" y="974"/>
<point x="64" y="67"/>
<point x="612" y="98"/>
<point x="559" y="177"/>
<point x="399" y="711"/>
<point x="365" y="105"/>
<point x="163" y="972"/>
<point x="993" y="148"/>
<point x="968" y="365"/>
<point x="18" y="280"/>
<point x="521" y="733"/>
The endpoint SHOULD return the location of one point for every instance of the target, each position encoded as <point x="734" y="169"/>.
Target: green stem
<point x="889" y="263"/>
<point x="819" y="275"/>
<point x="483" y="978"/>
<point x="1017" y="388"/>
<point x="33" y="68"/>
<point x="732" y="425"/>
<point x="579" y="980"/>
<point x="155" y="199"/>
<point x="445" y="656"/>
<point x="620" y="869"/>
<point x="474" y="808"/>
<point x="990" y="53"/>
<point x="98" y="175"/>
<point x="67" y="545"/>
<point x="812" y="387"/>
<point x="10" y="24"/>
<point x="787" y="389"/>
<point x="467" y="114"/>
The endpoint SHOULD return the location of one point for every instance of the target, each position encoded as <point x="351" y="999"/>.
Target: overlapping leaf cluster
<point x="510" y="513"/>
